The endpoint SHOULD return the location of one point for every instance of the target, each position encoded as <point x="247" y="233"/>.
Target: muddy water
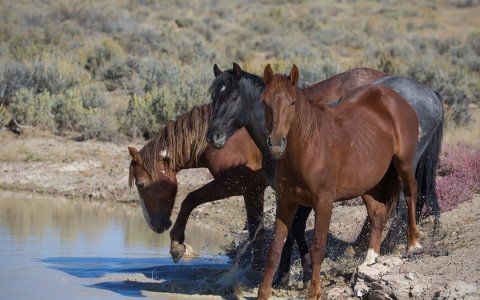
<point x="65" y="249"/>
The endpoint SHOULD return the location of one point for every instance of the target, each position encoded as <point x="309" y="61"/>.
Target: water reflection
<point x="29" y="216"/>
<point x="55" y="248"/>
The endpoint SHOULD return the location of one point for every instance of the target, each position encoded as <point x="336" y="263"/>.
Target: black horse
<point x="236" y="103"/>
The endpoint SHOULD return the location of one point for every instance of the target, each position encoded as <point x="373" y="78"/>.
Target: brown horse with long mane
<point x="364" y="146"/>
<point x="180" y="145"/>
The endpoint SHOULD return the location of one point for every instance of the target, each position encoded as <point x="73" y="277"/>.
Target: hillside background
<point x="117" y="68"/>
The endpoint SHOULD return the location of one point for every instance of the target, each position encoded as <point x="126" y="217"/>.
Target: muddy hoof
<point x="177" y="251"/>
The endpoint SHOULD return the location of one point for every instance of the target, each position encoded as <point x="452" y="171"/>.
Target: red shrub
<point x="459" y="172"/>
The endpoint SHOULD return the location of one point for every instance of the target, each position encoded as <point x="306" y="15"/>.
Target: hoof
<point x="177" y="251"/>
<point x="414" y="247"/>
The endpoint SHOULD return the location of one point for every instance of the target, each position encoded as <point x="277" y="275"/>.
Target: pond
<point x="54" y="248"/>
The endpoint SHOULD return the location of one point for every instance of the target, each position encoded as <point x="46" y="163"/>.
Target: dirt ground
<point x="98" y="171"/>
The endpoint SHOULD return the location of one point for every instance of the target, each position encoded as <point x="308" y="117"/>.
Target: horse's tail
<point x="427" y="170"/>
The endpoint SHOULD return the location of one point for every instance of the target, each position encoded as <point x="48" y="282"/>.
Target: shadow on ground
<point x="132" y="276"/>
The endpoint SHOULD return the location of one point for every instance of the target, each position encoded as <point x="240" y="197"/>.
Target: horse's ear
<point x="134" y="154"/>
<point x="267" y="74"/>
<point x="294" y="75"/>
<point x="237" y="71"/>
<point x="216" y="70"/>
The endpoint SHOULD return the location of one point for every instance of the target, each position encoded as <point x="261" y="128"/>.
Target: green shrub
<point x="139" y="119"/>
<point x="32" y="109"/>
<point x="97" y="124"/>
<point x="95" y="96"/>
<point x="152" y="73"/>
<point x="55" y="77"/>
<point x="116" y="75"/>
<point x="5" y="115"/>
<point x="100" y="55"/>
<point x="68" y="110"/>
<point x="13" y="77"/>
<point x="146" y="113"/>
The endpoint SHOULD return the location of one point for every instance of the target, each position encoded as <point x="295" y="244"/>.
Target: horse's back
<point x="382" y="108"/>
<point x="423" y="99"/>
<point x="336" y="86"/>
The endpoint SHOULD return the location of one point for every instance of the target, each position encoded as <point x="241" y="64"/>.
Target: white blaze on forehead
<point x="222" y="89"/>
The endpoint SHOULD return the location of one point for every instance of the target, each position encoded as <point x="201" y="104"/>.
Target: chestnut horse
<point x="360" y="147"/>
<point x="236" y="104"/>
<point x="181" y="145"/>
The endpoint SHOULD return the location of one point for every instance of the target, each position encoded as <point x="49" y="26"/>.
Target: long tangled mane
<point x="307" y="118"/>
<point x="183" y="139"/>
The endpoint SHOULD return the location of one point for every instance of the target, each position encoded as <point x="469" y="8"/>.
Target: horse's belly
<point x="361" y="178"/>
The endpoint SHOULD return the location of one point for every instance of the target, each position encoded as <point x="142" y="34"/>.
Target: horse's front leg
<point x="285" y="212"/>
<point x="323" y="212"/>
<point x="253" y="198"/>
<point x="226" y="185"/>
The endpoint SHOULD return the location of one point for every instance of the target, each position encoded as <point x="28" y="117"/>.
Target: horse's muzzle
<point x="216" y="140"/>
<point x="160" y="224"/>
<point x="277" y="148"/>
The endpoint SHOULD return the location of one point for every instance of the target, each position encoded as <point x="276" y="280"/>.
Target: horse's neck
<point x="257" y="130"/>
<point x="320" y="114"/>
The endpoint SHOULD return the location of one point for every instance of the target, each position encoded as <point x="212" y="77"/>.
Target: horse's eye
<point x="293" y="103"/>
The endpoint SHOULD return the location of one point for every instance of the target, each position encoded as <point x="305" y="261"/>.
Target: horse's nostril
<point x="269" y="141"/>
<point x="140" y="185"/>
<point x="284" y="141"/>
<point x="216" y="137"/>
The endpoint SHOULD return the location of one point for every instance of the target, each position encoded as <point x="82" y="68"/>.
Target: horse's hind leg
<point x="378" y="208"/>
<point x="404" y="169"/>
<point x="398" y="227"/>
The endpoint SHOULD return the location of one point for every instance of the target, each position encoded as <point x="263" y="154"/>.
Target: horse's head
<point x="229" y="111"/>
<point x="279" y="98"/>
<point x="157" y="188"/>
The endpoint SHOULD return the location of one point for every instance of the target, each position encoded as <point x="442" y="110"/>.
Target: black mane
<point x="251" y="85"/>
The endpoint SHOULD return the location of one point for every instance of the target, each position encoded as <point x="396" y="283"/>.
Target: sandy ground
<point x="98" y="171"/>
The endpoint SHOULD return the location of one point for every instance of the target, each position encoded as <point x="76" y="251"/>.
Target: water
<point x="65" y="249"/>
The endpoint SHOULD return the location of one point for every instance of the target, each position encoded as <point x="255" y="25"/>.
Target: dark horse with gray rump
<point x="236" y="104"/>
